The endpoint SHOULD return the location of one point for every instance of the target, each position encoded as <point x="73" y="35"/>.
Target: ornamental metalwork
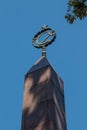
<point x="44" y="38"/>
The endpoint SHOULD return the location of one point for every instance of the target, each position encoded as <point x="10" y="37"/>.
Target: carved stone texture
<point x="43" y="103"/>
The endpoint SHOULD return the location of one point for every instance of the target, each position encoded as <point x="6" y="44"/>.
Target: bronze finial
<point x="44" y="38"/>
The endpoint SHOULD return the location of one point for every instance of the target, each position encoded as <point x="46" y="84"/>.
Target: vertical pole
<point x="44" y="51"/>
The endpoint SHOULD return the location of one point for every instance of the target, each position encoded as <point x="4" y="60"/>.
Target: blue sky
<point x="20" y="20"/>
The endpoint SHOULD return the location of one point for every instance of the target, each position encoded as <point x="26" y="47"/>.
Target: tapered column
<point x="43" y="101"/>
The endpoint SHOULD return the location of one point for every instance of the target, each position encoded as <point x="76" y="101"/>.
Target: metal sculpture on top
<point x="44" y="38"/>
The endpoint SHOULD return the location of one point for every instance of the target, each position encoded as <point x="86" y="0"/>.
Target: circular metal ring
<point x="50" y="36"/>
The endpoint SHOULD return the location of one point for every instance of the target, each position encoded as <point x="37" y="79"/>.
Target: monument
<point x="43" y="101"/>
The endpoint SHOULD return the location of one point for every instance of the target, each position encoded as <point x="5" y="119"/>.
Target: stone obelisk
<point x="43" y="102"/>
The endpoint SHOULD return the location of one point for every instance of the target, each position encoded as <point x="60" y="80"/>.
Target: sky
<point x="20" y="20"/>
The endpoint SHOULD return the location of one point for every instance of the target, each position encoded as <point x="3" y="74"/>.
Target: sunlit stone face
<point x="28" y="98"/>
<point x="45" y="76"/>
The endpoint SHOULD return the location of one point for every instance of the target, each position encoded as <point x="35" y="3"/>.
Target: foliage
<point x="77" y="9"/>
